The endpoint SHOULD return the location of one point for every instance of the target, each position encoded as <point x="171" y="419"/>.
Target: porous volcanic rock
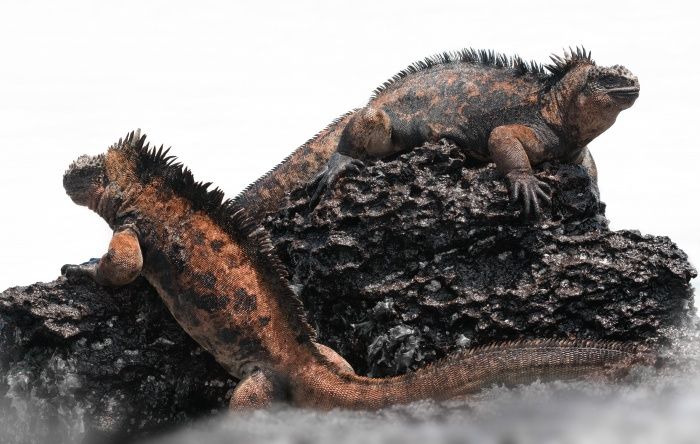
<point x="400" y="264"/>
<point x="84" y="363"/>
<point x="412" y="258"/>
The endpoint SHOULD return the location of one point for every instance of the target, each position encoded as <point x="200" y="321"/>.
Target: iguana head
<point x="101" y="182"/>
<point x="614" y="88"/>
<point x="85" y="180"/>
<point x="586" y="98"/>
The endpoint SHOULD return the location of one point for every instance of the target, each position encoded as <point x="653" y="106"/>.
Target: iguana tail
<point x="267" y="193"/>
<point x="470" y="371"/>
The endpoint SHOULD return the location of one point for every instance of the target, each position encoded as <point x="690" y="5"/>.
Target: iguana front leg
<point x="509" y="146"/>
<point x="119" y="266"/>
<point x="585" y="159"/>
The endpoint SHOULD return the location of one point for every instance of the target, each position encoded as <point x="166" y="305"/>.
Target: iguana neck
<point x="558" y="107"/>
<point x="110" y="203"/>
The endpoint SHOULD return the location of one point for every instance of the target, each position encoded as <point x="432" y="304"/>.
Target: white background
<point x="234" y="88"/>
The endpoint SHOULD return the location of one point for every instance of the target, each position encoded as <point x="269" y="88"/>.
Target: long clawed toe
<point x="78" y="271"/>
<point x="338" y="166"/>
<point x="318" y="184"/>
<point x="530" y="191"/>
<point x="65" y="269"/>
<point x="72" y="271"/>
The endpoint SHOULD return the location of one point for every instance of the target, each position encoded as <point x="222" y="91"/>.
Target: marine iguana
<point x="216" y="272"/>
<point x="499" y="109"/>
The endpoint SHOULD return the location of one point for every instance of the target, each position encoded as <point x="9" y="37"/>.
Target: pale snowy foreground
<point x="649" y="407"/>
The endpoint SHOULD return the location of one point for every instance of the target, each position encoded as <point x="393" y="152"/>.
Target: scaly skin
<point x="266" y="194"/>
<point x="217" y="274"/>
<point x="498" y="109"/>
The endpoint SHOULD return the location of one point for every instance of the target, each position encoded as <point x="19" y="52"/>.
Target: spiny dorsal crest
<point x="152" y="163"/>
<point x="573" y="57"/>
<point x="485" y="57"/>
<point x="558" y="68"/>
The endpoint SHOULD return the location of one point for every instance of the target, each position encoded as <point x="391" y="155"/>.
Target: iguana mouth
<point x="82" y="177"/>
<point x="624" y="92"/>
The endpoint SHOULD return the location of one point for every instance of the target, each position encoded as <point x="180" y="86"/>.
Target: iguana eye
<point x="609" y="81"/>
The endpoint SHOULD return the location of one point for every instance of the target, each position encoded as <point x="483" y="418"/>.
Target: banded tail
<point x="468" y="372"/>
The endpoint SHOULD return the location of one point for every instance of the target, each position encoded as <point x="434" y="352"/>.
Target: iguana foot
<point x="259" y="390"/>
<point x="529" y="190"/>
<point x="78" y="271"/>
<point x="334" y="358"/>
<point x="338" y="165"/>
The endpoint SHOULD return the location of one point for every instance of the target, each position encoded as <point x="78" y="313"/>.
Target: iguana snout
<point x="84" y="180"/>
<point x="615" y="84"/>
<point x="600" y="94"/>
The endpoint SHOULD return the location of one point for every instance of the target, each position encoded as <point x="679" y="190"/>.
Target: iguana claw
<point x="338" y="165"/>
<point x="73" y="272"/>
<point x="529" y="190"/>
<point x="76" y="271"/>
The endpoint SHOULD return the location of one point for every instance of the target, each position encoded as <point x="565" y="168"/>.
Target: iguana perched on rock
<point x="216" y="272"/>
<point x="500" y="109"/>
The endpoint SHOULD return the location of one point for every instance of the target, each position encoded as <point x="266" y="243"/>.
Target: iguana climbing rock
<point x="216" y="272"/>
<point x="500" y="109"/>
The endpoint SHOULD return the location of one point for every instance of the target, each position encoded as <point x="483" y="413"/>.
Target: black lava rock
<point x="80" y="362"/>
<point x="399" y="264"/>
<point x="415" y="257"/>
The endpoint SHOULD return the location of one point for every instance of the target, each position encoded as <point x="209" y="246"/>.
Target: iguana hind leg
<point x="367" y="135"/>
<point x="119" y="266"/>
<point x="334" y="358"/>
<point x="258" y="390"/>
<point x="338" y="165"/>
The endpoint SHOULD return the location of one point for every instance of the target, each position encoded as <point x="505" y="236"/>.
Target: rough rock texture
<point x="402" y="263"/>
<point x="81" y="362"/>
<point x="415" y="257"/>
